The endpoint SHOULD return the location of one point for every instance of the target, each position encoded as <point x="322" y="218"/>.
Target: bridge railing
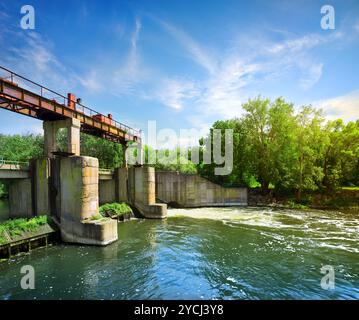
<point x="16" y="79"/>
<point x="105" y="171"/>
<point x="14" y="165"/>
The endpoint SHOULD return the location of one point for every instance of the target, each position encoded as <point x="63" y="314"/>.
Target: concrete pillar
<point x="80" y="203"/>
<point x="40" y="169"/>
<point x="50" y="130"/>
<point x="73" y="136"/>
<point x="20" y="199"/>
<point x="142" y="190"/>
<point x="121" y="176"/>
<point x="145" y="185"/>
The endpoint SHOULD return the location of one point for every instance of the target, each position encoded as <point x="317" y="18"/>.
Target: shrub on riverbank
<point x="16" y="227"/>
<point x="115" y="209"/>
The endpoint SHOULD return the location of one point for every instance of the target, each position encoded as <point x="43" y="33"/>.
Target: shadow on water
<point x="211" y="253"/>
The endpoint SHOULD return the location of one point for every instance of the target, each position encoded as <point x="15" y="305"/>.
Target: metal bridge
<point x="23" y="96"/>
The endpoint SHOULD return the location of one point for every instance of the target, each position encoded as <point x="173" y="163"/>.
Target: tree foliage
<point x="277" y="146"/>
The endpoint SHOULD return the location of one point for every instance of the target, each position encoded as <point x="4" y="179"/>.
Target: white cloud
<point x="175" y="93"/>
<point x="345" y="107"/>
<point x="231" y="73"/>
<point x="91" y="82"/>
<point x="314" y="73"/>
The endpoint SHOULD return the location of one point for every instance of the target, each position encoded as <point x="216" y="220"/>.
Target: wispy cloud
<point x="303" y="43"/>
<point x="35" y="58"/>
<point x="313" y="74"/>
<point x="196" y="52"/>
<point x="176" y="93"/>
<point x="233" y="72"/>
<point x="129" y="73"/>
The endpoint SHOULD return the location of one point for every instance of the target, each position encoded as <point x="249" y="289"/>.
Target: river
<point x="208" y="253"/>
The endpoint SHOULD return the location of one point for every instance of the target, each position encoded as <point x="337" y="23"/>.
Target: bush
<point x="118" y="209"/>
<point x="16" y="227"/>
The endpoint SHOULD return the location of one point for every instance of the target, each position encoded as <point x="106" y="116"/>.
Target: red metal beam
<point x="14" y="97"/>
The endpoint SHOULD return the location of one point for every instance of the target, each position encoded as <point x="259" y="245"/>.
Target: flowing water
<point x="208" y="253"/>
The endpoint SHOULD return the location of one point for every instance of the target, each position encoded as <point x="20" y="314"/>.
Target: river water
<point x="208" y="253"/>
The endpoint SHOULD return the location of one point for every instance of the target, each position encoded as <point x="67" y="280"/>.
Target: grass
<point x="16" y="227"/>
<point x="118" y="209"/>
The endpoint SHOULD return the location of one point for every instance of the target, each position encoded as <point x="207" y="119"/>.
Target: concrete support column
<point x="147" y="175"/>
<point x="40" y="184"/>
<point x="73" y="136"/>
<point x="142" y="192"/>
<point x="121" y="176"/>
<point x="79" y="200"/>
<point x="50" y="130"/>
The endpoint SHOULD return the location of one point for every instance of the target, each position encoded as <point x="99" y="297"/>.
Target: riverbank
<point x="23" y="235"/>
<point x="19" y="229"/>
<point x="341" y="199"/>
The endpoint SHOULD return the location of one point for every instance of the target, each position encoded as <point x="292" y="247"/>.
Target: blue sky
<point x="184" y="63"/>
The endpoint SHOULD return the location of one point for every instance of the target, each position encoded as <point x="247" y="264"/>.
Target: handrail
<point x="78" y="106"/>
<point x="14" y="165"/>
<point x="19" y="163"/>
<point x="105" y="171"/>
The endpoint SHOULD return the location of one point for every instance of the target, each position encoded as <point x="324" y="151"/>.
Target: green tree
<point x="311" y="143"/>
<point x="21" y="147"/>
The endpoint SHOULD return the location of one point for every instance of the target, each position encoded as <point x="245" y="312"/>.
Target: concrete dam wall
<point x="195" y="191"/>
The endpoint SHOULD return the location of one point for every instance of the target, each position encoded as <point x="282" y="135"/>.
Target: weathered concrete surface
<point x="136" y="186"/>
<point x="195" y="191"/>
<point x="73" y="136"/>
<point x="92" y="232"/>
<point x="80" y="202"/>
<point x="11" y="171"/>
<point x="40" y="183"/>
<point x="142" y="192"/>
<point x="107" y="192"/>
<point x="20" y="198"/>
<point x="121" y="176"/>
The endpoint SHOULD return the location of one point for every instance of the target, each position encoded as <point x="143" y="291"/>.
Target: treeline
<point x="277" y="147"/>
